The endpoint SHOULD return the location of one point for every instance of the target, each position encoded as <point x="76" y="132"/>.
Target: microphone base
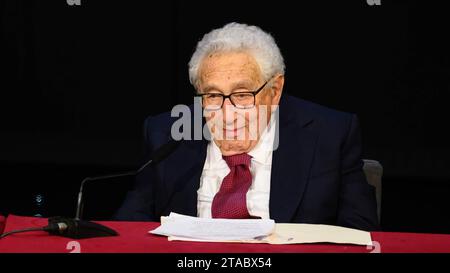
<point x="80" y="229"/>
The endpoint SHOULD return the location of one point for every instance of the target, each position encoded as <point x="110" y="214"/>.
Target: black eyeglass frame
<point x="224" y="97"/>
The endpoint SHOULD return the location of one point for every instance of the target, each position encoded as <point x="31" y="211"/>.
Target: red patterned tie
<point x="231" y="201"/>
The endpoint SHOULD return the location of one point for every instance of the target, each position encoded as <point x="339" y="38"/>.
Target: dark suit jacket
<point x="316" y="175"/>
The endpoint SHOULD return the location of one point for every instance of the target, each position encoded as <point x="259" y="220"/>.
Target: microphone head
<point x="79" y="229"/>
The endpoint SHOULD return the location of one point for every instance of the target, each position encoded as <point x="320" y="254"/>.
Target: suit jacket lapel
<point x="183" y="170"/>
<point x="182" y="178"/>
<point x="291" y="163"/>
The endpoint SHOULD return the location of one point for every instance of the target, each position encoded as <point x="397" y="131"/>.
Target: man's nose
<point x="228" y="111"/>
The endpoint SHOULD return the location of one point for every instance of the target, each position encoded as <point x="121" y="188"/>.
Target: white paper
<point x="214" y="229"/>
<point x="186" y="228"/>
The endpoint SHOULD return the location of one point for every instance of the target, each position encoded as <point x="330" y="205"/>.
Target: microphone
<point x="160" y="154"/>
<point x="71" y="228"/>
<point x="80" y="229"/>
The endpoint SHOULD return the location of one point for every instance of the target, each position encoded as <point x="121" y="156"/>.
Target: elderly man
<point x="302" y="163"/>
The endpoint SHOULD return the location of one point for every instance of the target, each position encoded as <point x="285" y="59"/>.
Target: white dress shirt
<point x="215" y="170"/>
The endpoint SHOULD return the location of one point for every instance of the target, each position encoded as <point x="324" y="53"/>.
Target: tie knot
<point x="235" y="160"/>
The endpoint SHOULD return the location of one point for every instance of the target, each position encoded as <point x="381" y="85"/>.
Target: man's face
<point x="235" y="130"/>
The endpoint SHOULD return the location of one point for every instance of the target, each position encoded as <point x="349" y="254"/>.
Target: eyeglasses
<point x="240" y="100"/>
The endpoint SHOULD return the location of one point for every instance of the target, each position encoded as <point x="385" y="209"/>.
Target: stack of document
<point x="188" y="228"/>
<point x="205" y="229"/>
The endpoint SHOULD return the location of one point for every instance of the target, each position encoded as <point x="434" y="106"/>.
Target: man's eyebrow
<point x="240" y="84"/>
<point x="211" y="87"/>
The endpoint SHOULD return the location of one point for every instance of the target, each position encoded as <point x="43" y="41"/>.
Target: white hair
<point x="239" y="38"/>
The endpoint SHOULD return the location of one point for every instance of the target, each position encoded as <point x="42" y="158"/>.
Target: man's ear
<point x="277" y="89"/>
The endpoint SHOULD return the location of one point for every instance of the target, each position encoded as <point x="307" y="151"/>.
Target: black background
<point x="77" y="83"/>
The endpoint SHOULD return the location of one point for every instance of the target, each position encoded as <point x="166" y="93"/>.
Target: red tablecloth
<point x="134" y="237"/>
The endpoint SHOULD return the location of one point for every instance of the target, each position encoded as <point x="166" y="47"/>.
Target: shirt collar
<point x="262" y="152"/>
